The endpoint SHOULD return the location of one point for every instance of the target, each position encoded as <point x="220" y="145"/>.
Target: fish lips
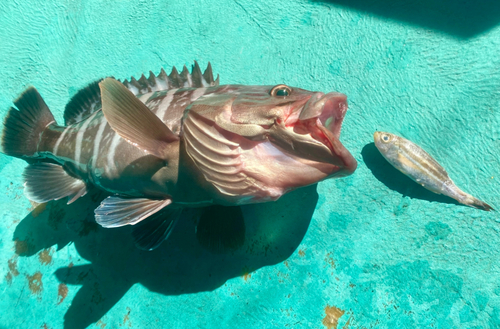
<point x="330" y="109"/>
<point x="322" y="116"/>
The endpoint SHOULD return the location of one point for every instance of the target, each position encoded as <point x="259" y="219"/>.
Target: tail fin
<point x="23" y="126"/>
<point x="476" y="203"/>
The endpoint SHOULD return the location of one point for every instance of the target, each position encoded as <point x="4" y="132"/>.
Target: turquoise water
<point x="372" y="250"/>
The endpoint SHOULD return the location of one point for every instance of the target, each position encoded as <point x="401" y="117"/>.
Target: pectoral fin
<point x="116" y="211"/>
<point x="133" y="120"/>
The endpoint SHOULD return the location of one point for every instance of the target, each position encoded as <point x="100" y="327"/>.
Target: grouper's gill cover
<point x="171" y="142"/>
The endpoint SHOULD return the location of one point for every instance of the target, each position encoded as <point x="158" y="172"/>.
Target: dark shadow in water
<point x="397" y="181"/>
<point x="460" y="18"/>
<point x="179" y="266"/>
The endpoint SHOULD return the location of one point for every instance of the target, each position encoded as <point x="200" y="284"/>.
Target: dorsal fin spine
<point x="145" y="88"/>
<point x="174" y="78"/>
<point x="163" y="80"/>
<point x="208" y="75"/>
<point x="197" y="76"/>
<point x="184" y="77"/>
<point x="152" y="80"/>
<point x="136" y="84"/>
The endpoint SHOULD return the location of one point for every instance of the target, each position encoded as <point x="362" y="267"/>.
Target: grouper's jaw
<point x="313" y="133"/>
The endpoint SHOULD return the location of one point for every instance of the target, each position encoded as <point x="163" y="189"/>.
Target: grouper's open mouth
<point x="322" y="118"/>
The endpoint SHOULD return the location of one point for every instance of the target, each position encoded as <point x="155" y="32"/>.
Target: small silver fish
<point x="417" y="164"/>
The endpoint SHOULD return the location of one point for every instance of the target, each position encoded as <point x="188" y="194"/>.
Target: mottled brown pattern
<point x="62" y="292"/>
<point x="332" y="317"/>
<point x="23" y="247"/>
<point x="329" y="260"/>
<point x="35" y="283"/>
<point x="13" y="265"/>
<point x="44" y="256"/>
<point x="38" y="208"/>
<point x="8" y="278"/>
<point x="246" y="273"/>
<point x="127" y="317"/>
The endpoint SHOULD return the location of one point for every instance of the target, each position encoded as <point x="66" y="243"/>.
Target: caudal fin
<point x="24" y="125"/>
<point x="481" y="205"/>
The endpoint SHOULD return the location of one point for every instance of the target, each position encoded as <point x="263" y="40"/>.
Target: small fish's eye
<point x="385" y="138"/>
<point x="281" y="90"/>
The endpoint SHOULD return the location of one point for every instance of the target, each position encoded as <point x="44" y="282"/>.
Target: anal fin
<point x="221" y="228"/>
<point x="116" y="211"/>
<point x="45" y="182"/>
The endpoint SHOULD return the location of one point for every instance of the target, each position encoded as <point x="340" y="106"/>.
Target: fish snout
<point x="323" y="114"/>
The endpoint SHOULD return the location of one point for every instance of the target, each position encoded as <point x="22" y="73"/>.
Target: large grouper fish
<point x="162" y="144"/>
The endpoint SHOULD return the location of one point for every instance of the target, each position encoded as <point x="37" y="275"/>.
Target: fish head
<point x="293" y="133"/>
<point x="385" y="142"/>
<point x="302" y="123"/>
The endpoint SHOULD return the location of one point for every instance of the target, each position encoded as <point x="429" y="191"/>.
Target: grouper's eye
<point x="385" y="138"/>
<point x="281" y="90"/>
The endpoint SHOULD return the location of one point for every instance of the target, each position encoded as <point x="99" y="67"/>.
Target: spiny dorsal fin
<point x="88" y="100"/>
<point x="83" y="104"/>
<point x="162" y="81"/>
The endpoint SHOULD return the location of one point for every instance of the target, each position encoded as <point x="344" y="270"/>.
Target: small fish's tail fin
<point x="476" y="203"/>
<point x="471" y="201"/>
<point x="23" y="126"/>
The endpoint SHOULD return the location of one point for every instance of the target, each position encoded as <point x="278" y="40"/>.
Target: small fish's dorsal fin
<point x="85" y="102"/>
<point x="162" y="81"/>
<point x="133" y="120"/>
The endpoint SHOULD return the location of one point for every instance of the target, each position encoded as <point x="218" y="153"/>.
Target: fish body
<point x="165" y="143"/>
<point x="417" y="164"/>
